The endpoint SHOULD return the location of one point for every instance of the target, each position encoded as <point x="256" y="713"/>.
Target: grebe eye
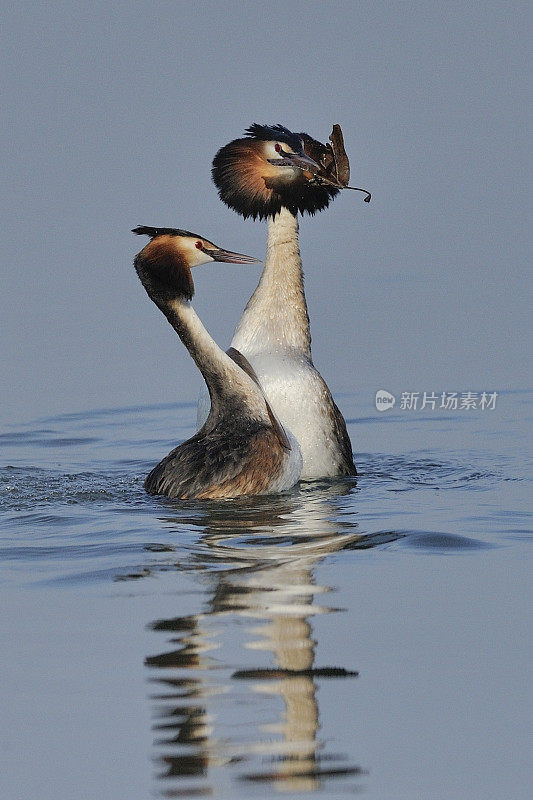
<point x="277" y="147"/>
<point x="199" y="245"/>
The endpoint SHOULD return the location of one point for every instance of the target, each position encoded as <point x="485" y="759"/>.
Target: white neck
<point x="276" y="318"/>
<point x="224" y="378"/>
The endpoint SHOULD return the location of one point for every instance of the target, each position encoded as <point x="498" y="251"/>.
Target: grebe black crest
<point x="242" y="449"/>
<point x="272" y="168"/>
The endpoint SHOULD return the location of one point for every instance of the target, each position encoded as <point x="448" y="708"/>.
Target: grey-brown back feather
<point x="231" y="457"/>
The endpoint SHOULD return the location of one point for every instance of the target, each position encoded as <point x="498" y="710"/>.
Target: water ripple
<point x="95" y="491"/>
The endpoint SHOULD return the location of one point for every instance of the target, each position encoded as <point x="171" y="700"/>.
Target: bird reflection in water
<point x="217" y="718"/>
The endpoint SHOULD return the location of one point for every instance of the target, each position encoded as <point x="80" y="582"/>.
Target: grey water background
<point x="184" y="650"/>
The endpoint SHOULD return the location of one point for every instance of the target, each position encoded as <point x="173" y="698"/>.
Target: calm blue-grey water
<point x="363" y="637"/>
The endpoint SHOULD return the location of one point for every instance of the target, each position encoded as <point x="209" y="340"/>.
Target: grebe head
<point x="164" y="265"/>
<point x="270" y="168"/>
<point x="274" y="167"/>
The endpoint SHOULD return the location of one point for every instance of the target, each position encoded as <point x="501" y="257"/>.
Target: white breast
<point x="302" y="402"/>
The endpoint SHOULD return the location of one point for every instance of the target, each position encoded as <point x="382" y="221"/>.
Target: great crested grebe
<point x="242" y="449"/>
<point x="273" y="174"/>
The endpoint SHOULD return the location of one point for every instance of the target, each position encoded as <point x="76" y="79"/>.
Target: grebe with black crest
<point x="241" y="449"/>
<point x="273" y="174"/>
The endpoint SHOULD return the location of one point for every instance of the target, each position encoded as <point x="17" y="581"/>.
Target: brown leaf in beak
<point x="342" y="164"/>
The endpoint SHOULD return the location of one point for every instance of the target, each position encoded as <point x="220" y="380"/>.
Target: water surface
<point x="364" y="636"/>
